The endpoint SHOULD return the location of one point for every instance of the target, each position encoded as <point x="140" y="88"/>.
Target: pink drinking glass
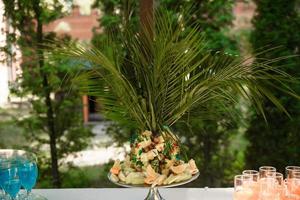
<point x="280" y="186"/>
<point x="264" y="170"/>
<point x="296" y="183"/>
<point x="289" y="170"/>
<point x="254" y="184"/>
<point x="242" y="187"/>
<point x="253" y="173"/>
<point x="293" y="187"/>
<point x="268" y="188"/>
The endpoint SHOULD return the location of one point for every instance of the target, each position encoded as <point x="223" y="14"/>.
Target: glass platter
<point x="153" y="193"/>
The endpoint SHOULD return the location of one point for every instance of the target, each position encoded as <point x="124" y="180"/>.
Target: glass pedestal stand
<point x="153" y="193"/>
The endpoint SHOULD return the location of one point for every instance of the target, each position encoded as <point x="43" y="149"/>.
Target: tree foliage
<point x="214" y="17"/>
<point x="55" y="120"/>
<point x="277" y="23"/>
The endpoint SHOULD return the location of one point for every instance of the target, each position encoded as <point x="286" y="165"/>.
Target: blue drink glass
<point x="28" y="173"/>
<point x="2" y="194"/>
<point x="10" y="180"/>
<point x="12" y="187"/>
<point x="18" y="169"/>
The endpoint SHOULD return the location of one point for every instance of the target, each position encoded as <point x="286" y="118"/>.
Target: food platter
<point x="155" y="161"/>
<point x="153" y="193"/>
<point x="122" y="184"/>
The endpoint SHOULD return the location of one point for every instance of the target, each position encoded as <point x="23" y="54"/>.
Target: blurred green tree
<point x="215" y="18"/>
<point x="277" y="23"/>
<point x="55" y="107"/>
<point x="209" y="140"/>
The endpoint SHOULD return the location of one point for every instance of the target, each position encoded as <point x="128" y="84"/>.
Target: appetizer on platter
<point x="153" y="160"/>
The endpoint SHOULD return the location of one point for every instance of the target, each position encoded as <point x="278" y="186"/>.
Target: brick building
<point x="80" y="25"/>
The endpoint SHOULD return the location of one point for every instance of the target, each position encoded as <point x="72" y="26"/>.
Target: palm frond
<point x="155" y="79"/>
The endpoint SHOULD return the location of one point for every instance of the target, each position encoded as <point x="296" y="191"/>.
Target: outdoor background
<point x="40" y="113"/>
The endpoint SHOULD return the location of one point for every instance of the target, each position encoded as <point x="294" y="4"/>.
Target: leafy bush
<point x="277" y="24"/>
<point x="81" y="177"/>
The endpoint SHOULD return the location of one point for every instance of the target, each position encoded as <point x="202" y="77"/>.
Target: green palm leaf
<point x="152" y="80"/>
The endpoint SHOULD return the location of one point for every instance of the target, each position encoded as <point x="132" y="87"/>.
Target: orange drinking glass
<point x="296" y="183"/>
<point x="253" y="173"/>
<point x="290" y="170"/>
<point x="268" y="188"/>
<point x="293" y="188"/>
<point x="242" y="187"/>
<point x="254" y="183"/>
<point x="265" y="170"/>
<point x="280" y="186"/>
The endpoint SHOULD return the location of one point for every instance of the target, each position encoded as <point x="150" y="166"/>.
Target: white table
<point x="136" y="194"/>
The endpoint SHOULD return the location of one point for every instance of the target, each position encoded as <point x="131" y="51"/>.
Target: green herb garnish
<point x="134" y="159"/>
<point x="167" y="149"/>
<point x="139" y="163"/>
<point x="155" y="165"/>
<point x="133" y="138"/>
<point x="140" y="151"/>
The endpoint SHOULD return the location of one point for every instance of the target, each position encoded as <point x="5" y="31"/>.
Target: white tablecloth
<point x="136" y="194"/>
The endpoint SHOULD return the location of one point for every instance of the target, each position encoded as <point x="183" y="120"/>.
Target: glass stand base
<point x="154" y="194"/>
